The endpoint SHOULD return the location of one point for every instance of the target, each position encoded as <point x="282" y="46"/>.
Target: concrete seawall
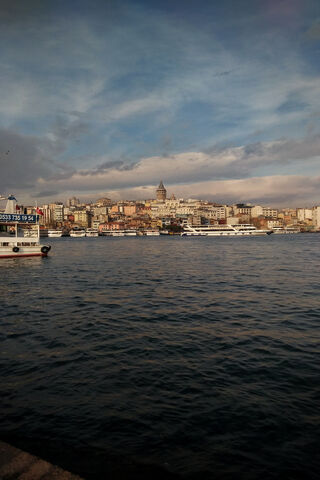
<point x="16" y="464"/>
<point x="86" y="463"/>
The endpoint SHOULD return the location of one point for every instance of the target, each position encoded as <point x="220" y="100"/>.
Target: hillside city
<point x="170" y="214"/>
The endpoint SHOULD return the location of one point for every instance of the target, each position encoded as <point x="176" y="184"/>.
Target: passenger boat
<point x="106" y="232"/>
<point x="152" y="233"/>
<point x="77" y="232"/>
<point x="92" y="232"/>
<point x="124" y="233"/>
<point x="223" y="230"/>
<point x="285" y="230"/>
<point x="55" y="233"/>
<point x="20" y="233"/>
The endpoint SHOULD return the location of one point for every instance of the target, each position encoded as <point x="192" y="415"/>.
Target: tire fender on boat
<point x="15" y="249"/>
<point x="45" y="249"/>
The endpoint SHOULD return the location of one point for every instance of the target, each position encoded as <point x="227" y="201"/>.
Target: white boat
<point x="106" y="232"/>
<point x="77" y="233"/>
<point x="54" y="233"/>
<point x="124" y="233"/>
<point x="118" y="233"/>
<point x="284" y="230"/>
<point x="92" y="232"/>
<point x="152" y="233"/>
<point x="130" y="233"/>
<point x="20" y="234"/>
<point x="223" y="230"/>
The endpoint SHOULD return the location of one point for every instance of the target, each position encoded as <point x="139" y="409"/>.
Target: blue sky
<point x="221" y="100"/>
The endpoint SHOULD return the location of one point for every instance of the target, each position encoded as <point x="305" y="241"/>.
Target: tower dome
<point x="11" y="205"/>
<point x="161" y="192"/>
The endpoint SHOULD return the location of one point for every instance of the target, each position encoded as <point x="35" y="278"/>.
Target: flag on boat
<point x="39" y="211"/>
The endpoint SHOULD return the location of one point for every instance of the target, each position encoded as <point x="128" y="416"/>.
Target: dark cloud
<point x="115" y="165"/>
<point x="21" y="10"/>
<point x="280" y="152"/>
<point x="293" y="104"/>
<point x="27" y="160"/>
<point x="66" y="128"/>
<point x="48" y="193"/>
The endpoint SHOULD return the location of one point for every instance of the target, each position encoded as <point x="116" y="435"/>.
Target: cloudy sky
<point x="220" y="100"/>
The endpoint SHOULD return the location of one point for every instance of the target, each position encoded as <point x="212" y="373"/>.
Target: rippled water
<point x="195" y="353"/>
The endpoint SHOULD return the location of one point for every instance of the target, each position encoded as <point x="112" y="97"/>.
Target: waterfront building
<point x="58" y="212"/>
<point x="270" y="212"/>
<point x="47" y="217"/>
<point x="161" y="192"/>
<point x="99" y="210"/>
<point x="304" y="214"/>
<point x="242" y="210"/>
<point x="82" y="218"/>
<point x="129" y="210"/>
<point x="274" y="223"/>
<point x="316" y="217"/>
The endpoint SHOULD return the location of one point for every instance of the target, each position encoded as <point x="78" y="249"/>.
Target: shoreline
<point x="82" y="463"/>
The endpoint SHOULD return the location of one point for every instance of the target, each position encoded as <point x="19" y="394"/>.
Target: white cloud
<point x="274" y="191"/>
<point x="226" y="174"/>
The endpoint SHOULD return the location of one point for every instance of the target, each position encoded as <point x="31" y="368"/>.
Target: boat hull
<point x="224" y="234"/>
<point x="32" y="251"/>
<point x="77" y="234"/>
<point x="238" y="230"/>
<point x="14" y="255"/>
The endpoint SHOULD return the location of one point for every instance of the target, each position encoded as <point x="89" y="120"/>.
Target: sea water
<point x="200" y="354"/>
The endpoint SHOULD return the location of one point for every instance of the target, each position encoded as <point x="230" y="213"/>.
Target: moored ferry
<point x="118" y="233"/>
<point x="78" y="232"/>
<point x="223" y="230"/>
<point x="55" y="233"/>
<point x="285" y="230"/>
<point x="92" y="232"/>
<point x="152" y="233"/>
<point x="20" y="234"/>
<point x="124" y="233"/>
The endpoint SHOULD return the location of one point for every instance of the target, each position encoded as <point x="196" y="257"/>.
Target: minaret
<point x="161" y="192"/>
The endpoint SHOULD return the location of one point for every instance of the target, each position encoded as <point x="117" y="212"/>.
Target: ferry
<point x="152" y="233"/>
<point x="20" y="233"/>
<point x="223" y="230"/>
<point x="77" y="232"/>
<point x="285" y="230"/>
<point x="55" y="233"/>
<point x="124" y="233"/>
<point x="92" y="232"/>
<point x="130" y="232"/>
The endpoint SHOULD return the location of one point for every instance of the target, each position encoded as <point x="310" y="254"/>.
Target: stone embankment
<point x="18" y="465"/>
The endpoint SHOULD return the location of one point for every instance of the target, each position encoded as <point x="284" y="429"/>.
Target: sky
<point x="220" y="100"/>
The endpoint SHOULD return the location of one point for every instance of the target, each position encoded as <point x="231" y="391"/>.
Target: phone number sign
<point x="17" y="218"/>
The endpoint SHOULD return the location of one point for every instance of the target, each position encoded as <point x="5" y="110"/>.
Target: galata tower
<point x="161" y="192"/>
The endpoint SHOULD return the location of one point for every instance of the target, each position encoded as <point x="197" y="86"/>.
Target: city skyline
<point x="220" y="101"/>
